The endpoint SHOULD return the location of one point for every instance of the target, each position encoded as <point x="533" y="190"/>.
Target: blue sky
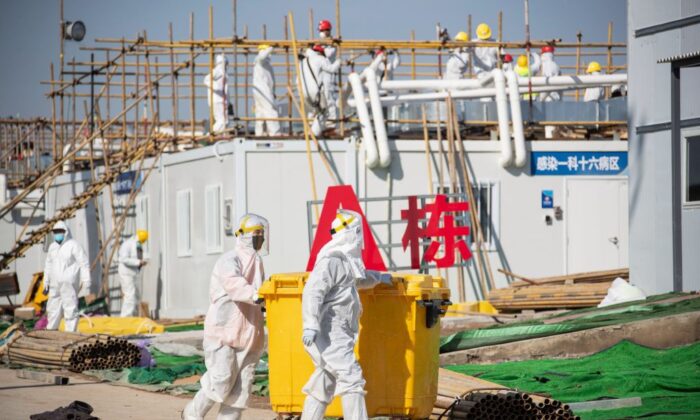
<point x="29" y="41"/>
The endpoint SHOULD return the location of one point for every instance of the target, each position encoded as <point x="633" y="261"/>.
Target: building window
<point x="487" y="200"/>
<point x="184" y="223"/>
<point x="212" y="219"/>
<point x="143" y="220"/>
<point x="692" y="170"/>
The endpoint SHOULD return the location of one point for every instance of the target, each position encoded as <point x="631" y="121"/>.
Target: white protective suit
<point x="330" y="84"/>
<point x="384" y="65"/>
<point x="130" y="258"/>
<point x="593" y="93"/>
<point x="234" y="336"/>
<point x="219" y="87"/>
<point x="315" y="70"/>
<point x="264" y="94"/>
<point x="457" y="64"/>
<point x="66" y="272"/>
<point x="550" y="69"/>
<point x="485" y="60"/>
<point x="331" y="312"/>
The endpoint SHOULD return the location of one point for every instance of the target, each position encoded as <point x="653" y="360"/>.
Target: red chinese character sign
<point x="434" y="229"/>
<point x="344" y="197"/>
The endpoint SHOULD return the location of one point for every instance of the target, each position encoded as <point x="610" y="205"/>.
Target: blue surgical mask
<point x="58" y="237"/>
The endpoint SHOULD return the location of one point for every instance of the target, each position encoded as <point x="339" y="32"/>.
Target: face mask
<point x="258" y="242"/>
<point x="58" y="237"/>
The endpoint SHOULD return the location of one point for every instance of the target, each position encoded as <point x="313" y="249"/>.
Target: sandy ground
<point x="19" y="398"/>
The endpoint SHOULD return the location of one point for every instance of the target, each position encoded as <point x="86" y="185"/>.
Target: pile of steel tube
<point x="509" y="405"/>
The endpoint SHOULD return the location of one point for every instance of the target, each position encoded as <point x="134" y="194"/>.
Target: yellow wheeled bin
<point x="398" y="347"/>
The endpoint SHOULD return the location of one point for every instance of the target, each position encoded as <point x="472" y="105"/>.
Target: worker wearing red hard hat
<point x="324" y="29"/>
<point x="549" y="69"/>
<point x="507" y="62"/>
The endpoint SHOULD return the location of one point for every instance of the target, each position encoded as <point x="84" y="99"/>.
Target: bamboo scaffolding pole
<point x="173" y="84"/>
<point x="426" y="139"/>
<point x="454" y="182"/>
<point x="192" y="107"/>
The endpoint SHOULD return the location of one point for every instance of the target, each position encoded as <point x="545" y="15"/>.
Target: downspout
<point x="372" y="156"/>
<point x="516" y="116"/>
<point x="378" y="116"/>
<point x="502" y="110"/>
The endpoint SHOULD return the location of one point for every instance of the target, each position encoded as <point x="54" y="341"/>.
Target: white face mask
<point x="323" y="35"/>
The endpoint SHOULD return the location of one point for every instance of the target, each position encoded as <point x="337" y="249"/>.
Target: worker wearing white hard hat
<point x="66" y="273"/>
<point x="130" y="263"/>
<point x="264" y="94"/>
<point x="217" y="94"/>
<point x="331" y="312"/>
<point x="594" y="93"/>
<point x="234" y="336"/>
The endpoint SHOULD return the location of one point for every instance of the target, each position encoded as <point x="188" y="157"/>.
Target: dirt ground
<point x="19" y="398"/>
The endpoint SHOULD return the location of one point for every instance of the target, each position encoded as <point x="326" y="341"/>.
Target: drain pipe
<point x="516" y="116"/>
<point x="372" y="157"/>
<point x="378" y="116"/>
<point x="502" y="109"/>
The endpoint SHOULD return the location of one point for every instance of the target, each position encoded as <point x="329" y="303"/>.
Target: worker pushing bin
<point x="398" y="346"/>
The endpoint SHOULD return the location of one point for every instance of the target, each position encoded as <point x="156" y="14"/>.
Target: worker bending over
<point x="331" y="312"/>
<point x="234" y="336"/>
<point x="130" y="263"/>
<point x="66" y="274"/>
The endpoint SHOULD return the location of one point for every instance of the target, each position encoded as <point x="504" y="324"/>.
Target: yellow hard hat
<point x="483" y="31"/>
<point x="522" y="61"/>
<point x="263" y="47"/>
<point x="462" y="36"/>
<point x="593" y="66"/>
<point x="142" y="235"/>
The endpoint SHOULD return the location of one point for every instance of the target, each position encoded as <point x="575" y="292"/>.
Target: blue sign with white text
<point x="125" y="182"/>
<point x="578" y="163"/>
<point x="547" y="199"/>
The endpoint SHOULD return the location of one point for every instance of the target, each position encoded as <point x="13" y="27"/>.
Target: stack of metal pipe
<point x="508" y="405"/>
<point x="72" y="351"/>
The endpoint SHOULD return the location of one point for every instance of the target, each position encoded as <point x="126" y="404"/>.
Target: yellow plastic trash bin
<point x="398" y="347"/>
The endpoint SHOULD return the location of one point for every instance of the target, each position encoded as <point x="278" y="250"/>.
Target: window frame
<point x="219" y="247"/>
<point x="139" y="216"/>
<point x="180" y="251"/>
<point x="686" y="135"/>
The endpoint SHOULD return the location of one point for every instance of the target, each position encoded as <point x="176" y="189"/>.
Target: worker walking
<point x="66" y="274"/>
<point x="549" y="69"/>
<point x="264" y="94"/>
<point x="315" y="70"/>
<point x="331" y="312"/>
<point x="234" y="336"/>
<point x="593" y="93"/>
<point x="217" y="94"/>
<point x="485" y="58"/>
<point x="130" y="263"/>
<point x="458" y="62"/>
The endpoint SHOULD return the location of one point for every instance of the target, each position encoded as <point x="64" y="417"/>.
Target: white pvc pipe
<point x="502" y="109"/>
<point x="378" y="116"/>
<point x="516" y="116"/>
<point x="576" y="80"/>
<point x="372" y="156"/>
<point x="430" y="84"/>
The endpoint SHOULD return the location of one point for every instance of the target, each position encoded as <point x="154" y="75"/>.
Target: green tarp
<point x="668" y="381"/>
<point x="617" y="314"/>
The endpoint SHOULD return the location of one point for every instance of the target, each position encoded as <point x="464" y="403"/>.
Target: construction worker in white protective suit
<point x="217" y="83"/>
<point x="316" y="71"/>
<point x="330" y="82"/>
<point x="130" y="263"/>
<point x="331" y="312"/>
<point x="507" y="62"/>
<point x="593" y="93"/>
<point x="485" y="58"/>
<point x="264" y="93"/>
<point x="66" y="274"/>
<point x="549" y="69"/>
<point x="384" y="63"/>
<point x="458" y="62"/>
<point x="234" y="336"/>
<point x="523" y="70"/>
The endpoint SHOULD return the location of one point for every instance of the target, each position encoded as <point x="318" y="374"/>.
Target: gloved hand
<point x="308" y="337"/>
<point x="46" y="289"/>
<point x="258" y="299"/>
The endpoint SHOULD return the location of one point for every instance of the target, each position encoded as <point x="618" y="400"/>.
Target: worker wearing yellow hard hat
<point x="130" y="262"/>
<point x="457" y="64"/>
<point x="523" y="68"/>
<point x="263" y="47"/>
<point x="485" y="57"/>
<point x="462" y="37"/>
<point x="593" y="93"/>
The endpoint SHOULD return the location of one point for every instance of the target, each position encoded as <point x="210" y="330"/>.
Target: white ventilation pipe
<point x="378" y="116"/>
<point x="576" y="80"/>
<point x="431" y="84"/>
<point x="516" y="116"/>
<point x="372" y="156"/>
<point x="502" y="109"/>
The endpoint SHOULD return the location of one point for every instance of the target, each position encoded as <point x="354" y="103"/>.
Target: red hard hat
<point x="379" y="51"/>
<point x="319" y="48"/>
<point x="547" y="49"/>
<point x="507" y="58"/>
<point x="324" y="25"/>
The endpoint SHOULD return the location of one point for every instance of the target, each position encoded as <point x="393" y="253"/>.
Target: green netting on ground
<point x="188" y="327"/>
<point x="668" y="381"/>
<point x="613" y="315"/>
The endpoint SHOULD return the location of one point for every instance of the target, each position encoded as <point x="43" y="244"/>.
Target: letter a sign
<point x="344" y="197"/>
